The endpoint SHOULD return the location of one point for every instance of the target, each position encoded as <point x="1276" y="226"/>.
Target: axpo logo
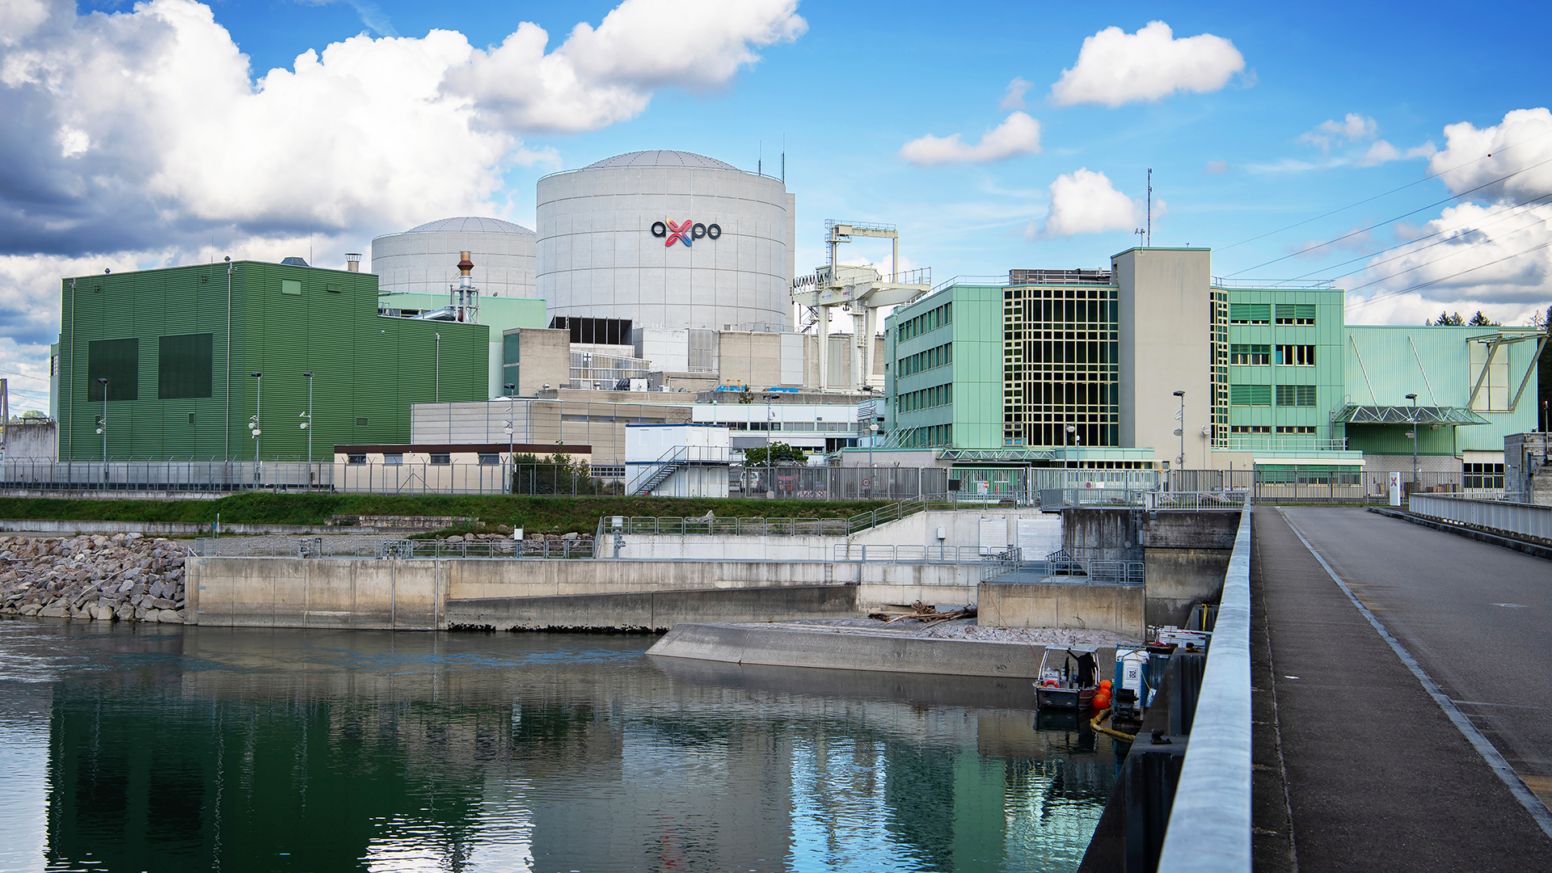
<point x="685" y="232"/>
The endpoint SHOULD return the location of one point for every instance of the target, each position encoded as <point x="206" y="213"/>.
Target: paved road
<point x="1477" y="617"/>
<point x="1357" y="767"/>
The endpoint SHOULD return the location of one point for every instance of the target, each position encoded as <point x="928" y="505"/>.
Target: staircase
<point x="672" y="461"/>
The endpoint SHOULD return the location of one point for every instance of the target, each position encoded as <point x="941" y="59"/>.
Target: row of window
<point x="1261" y="313"/>
<point x="437" y="460"/>
<point x="926" y="398"/>
<point x="1482" y="475"/>
<point x="930" y="320"/>
<point x="1267" y="429"/>
<point x="928" y="360"/>
<point x="1261" y="395"/>
<point x="1260" y="355"/>
<point x="923" y="437"/>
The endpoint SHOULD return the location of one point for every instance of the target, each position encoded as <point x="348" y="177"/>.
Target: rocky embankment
<point x="123" y="577"/>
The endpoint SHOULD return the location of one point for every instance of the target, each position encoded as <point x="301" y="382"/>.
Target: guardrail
<point x="328" y="547"/>
<point x="907" y="554"/>
<point x="1521" y="519"/>
<point x="1210" y="821"/>
<point x="711" y="525"/>
<point x="1192" y="500"/>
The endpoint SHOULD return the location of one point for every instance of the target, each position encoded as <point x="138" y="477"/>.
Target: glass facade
<point x="1061" y="366"/>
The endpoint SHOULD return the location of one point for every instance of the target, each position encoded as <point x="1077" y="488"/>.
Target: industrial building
<point x="1155" y="364"/>
<point x="423" y="260"/>
<point x="178" y="363"/>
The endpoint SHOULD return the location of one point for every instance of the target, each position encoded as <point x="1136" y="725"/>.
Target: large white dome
<point x="662" y="158"/>
<point x="424" y="260"/>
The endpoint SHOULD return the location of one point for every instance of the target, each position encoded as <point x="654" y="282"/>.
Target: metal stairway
<point x="672" y="461"/>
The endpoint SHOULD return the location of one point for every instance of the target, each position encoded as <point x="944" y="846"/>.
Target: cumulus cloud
<point x="1494" y="257"/>
<point x="1353" y="128"/>
<point x="1473" y="157"/>
<point x="1115" y="67"/>
<point x="1017" y="135"/>
<point x="1381" y="152"/>
<point x="1086" y="202"/>
<point x="1014" y="98"/>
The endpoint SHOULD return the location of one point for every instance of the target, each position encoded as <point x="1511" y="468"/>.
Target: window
<point x="291" y="286"/>
<point x="1250" y="313"/>
<point x="489" y="459"/>
<point x="1296" y="356"/>
<point x="1250" y="395"/>
<point x="1295" y="313"/>
<point x="184" y="366"/>
<point x="118" y="361"/>
<point x="1295" y="395"/>
<point x="191" y="418"/>
<point x="1296" y="428"/>
<point x="1251" y="428"/>
<point x="1251" y="355"/>
<point x="1483" y="475"/>
<point x="394" y="460"/>
<point x="360" y="422"/>
<point x="441" y="459"/>
<point x="334" y="288"/>
<point x="355" y="459"/>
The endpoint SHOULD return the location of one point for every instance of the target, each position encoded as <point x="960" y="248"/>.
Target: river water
<point x="155" y="747"/>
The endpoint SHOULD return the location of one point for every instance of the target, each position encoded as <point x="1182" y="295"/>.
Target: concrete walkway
<point x="1357" y="766"/>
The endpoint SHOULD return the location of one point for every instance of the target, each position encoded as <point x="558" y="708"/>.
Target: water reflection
<point x="240" y="749"/>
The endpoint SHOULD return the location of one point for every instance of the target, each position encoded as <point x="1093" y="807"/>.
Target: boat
<point x="1072" y="684"/>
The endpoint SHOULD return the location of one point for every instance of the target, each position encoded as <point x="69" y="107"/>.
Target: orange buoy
<point x="1105" y="685"/>
<point x="1101" y="700"/>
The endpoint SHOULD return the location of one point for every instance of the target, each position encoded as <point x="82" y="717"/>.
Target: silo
<point x="424" y="260"/>
<point x="666" y="239"/>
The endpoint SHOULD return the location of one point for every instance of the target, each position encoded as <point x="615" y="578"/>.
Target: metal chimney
<point x="353" y="262"/>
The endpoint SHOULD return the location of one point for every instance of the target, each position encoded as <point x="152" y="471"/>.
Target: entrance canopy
<point x="1355" y="414"/>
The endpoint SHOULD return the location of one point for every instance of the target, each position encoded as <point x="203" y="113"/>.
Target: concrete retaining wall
<point x="1091" y="606"/>
<point x="171" y="528"/>
<point x="312" y="592"/>
<point x="789" y="647"/>
<point x="656" y="610"/>
<point x="1179" y="578"/>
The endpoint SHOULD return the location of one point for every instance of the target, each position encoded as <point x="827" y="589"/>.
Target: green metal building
<point x="178" y="346"/>
<point x="1155" y="364"/>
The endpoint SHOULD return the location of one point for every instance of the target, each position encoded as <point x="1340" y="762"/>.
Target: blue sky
<point x="1271" y="115"/>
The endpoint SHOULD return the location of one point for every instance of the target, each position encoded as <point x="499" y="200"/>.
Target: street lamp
<point x="1180" y="462"/>
<point x="1413" y="398"/>
<point x="872" y="438"/>
<point x="511" y="428"/>
<point x="103" y="381"/>
<point x="253" y="423"/>
<point x="307" y="426"/>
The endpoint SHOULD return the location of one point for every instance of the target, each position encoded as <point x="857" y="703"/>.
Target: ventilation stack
<point x="464" y="299"/>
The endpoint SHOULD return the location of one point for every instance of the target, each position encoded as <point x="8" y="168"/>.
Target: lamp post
<point x="307" y="425"/>
<point x="253" y="425"/>
<point x="511" y="427"/>
<point x="1180" y="461"/>
<point x="872" y="438"/>
<point x="1413" y="398"/>
<point x="103" y="381"/>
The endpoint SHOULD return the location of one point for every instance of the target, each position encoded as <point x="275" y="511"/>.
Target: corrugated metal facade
<point x="367" y="369"/>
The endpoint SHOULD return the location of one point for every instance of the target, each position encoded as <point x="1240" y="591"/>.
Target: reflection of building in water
<point x="437" y="750"/>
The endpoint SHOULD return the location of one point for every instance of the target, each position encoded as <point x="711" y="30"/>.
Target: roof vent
<point x="294" y="262"/>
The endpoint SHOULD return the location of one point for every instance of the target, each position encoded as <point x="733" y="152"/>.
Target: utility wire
<point x="1397" y="293"/>
<point x="1506" y="214"/>
<point x="1387" y="193"/>
<point x="1353" y="233"/>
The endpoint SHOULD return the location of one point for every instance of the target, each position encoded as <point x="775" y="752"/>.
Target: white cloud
<point x="1086" y="202"/>
<point x="1115" y="67"/>
<point x="1017" y="135"/>
<point x="1382" y="152"/>
<point x="1353" y="128"/>
<point x="1216" y="168"/>
<point x="1014" y="98"/>
<point x="1474" y="157"/>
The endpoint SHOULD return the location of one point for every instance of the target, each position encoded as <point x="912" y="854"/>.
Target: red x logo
<point x="679" y="233"/>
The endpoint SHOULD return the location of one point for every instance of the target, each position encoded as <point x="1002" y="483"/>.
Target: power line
<point x="1425" y="263"/>
<point x="1507" y="213"/>
<point x="1353" y="233"/>
<point x="1387" y="193"/>
<point x="1406" y="290"/>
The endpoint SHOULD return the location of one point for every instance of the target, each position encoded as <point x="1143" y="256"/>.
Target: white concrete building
<point x="676" y="460"/>
<point x="667" y="239"/>
<point x="424" y="260"/>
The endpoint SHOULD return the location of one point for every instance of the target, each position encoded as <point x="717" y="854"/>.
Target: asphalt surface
<point x="1370" y="771"/>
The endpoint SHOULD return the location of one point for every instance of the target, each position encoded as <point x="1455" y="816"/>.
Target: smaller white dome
<point x="471" y="224"/>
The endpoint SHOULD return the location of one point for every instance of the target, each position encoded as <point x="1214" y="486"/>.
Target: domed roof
<point x="471" y="224"/>
<point x="662" y="159"/>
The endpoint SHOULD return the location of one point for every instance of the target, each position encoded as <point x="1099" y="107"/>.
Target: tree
<point x="1480" y="320"/>
<point x="745" y="396"/>
<point x="1445" y="319"/>
<point x="774" y="453"/>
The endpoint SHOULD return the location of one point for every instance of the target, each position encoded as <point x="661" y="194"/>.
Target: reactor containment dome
<point x="666" y="239"/>
<point x="423" y="260"/>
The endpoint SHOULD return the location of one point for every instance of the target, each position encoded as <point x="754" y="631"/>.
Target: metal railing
<point x="909" y="554"/>
<point x="1210" y="821"/>
<point x="712" y="525"/>
<point x="332" y="547"/>
<point x="1521" y="519"/>
<point x="1243" y="443"/>
<point x="1193" y="500"/>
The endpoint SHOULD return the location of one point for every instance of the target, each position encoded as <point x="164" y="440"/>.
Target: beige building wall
<point x="1166" y="346"/>
<point x="544" y="359"/>
<point x="752" y="359"/>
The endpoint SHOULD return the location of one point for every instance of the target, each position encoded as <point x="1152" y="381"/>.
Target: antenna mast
<point x="1150" y="207"/>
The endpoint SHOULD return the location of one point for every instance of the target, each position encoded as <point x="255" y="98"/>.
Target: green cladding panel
<point x="175" y="331"/>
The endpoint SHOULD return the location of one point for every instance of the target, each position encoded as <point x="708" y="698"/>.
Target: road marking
<point x="1532" y="799"/>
